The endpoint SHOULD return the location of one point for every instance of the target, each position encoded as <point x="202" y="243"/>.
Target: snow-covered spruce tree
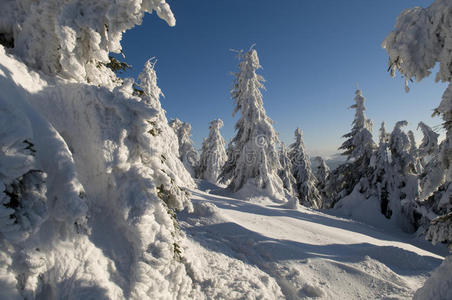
<point x="285" y="173"/>
<point x="187" y="152"/>
<point x="73" y="38"/>
<point x="433" y="172"/>
<point x="163" y="144"/>
<point x="213" y="156"/>
<point x="359" y="144"/>
<point x="321" y="172"/>
<point x="252" y="159"/>
<point x="422" y="38"/>
<point x="429" y="145"/>
<point x="414" y="153"/>
<point x="106" y="222"/>
<point x="306" y="182"/>
<point x="404" y="183"/>
<point x="381" y="172"/>
<point x="358" y="148"/>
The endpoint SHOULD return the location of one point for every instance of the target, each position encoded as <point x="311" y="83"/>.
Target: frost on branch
<point x="73" y="38"/>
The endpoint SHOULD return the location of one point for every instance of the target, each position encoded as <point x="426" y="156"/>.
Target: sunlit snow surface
<point x="256" y="249"/>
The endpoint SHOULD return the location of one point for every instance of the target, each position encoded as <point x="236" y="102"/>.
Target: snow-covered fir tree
<point x="359" y="144"/>
<point x="163" y="142"/>
<point x="252" y="155"/>
<point x="213" y="156"/>
<point x="358" y="148"/>
<point x="404" y="183"/>
<point x="381" y="171"/>
<point x="108" y="206"/>
<point x="321" y="171"/>
<point x="306" y="182"/>
<point x="433" y="172"/>
<point x="414" y="153"/>
<point x="420" y="41"/>
<point x="74" y="39"/>
<point x="429" y="144"/>
<point x="285" y="173"/>
<point x="187" y="152"/>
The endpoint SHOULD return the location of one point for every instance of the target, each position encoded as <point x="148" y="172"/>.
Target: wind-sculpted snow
<point x="90" y="180"/>
<point x="73" y="37"/>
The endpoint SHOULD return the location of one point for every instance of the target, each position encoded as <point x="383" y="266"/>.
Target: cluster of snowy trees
<point x="255" y="161"/>
<point x="408" y="182"/>
<point x="89" y="165"/>
<point x="396" y="173"/>
<point x="422" y="38"/>
<point x="124" y="169"/>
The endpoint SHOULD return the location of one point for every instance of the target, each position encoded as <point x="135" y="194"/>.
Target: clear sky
<point x="313" y="54"/>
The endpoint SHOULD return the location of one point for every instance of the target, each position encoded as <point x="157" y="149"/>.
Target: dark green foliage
<point x="30" y="146"/>
<point x="384" y="202"/>
<point x="137" y="91"/>
<point x="16" y="191"/>
<point x="117" y="66"/>
<point x="6" y="40"/>
<point x="155" y="130"/>
<point x="177" y="252"/>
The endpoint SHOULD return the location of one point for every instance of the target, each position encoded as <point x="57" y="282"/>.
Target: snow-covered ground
<point x="257" y="249"/>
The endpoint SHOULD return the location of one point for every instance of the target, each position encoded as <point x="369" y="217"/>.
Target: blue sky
<point x="313" y="54"/>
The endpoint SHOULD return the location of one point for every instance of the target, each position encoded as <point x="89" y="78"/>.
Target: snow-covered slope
<point x="263" y="251"/>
